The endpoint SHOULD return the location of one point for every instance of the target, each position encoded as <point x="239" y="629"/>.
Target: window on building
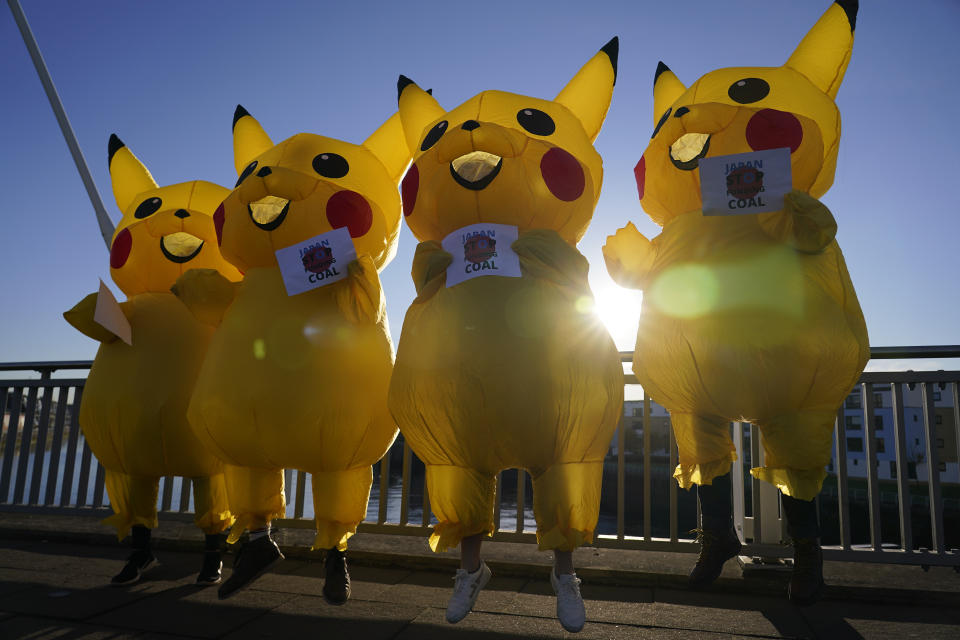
<point x="939" y="443"/>
<point x="853" y="422"/>
<point x="893" y="469"/>
<point x="637" y="412"/>
<point x="942" y="466"/>
<point x="915" y="417"/>
<point x="881" y="445"/>
<point x="877" y="400"/>
<point x="854" y="462"/>
<point x="854" y="444"/>
<point x="938" y="419"/>
<point x="916" y="441"/>
<point x="936" y="396"/>
<point x="853" y="401"/>
<point x="878" y="423"/>
<point x="912" y="470"/>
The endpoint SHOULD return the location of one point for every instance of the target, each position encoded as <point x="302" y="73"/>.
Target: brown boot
<point x="716" y="547"/>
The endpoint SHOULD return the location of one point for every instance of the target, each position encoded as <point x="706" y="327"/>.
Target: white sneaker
<point x="570" y="609"/>
<point x="466" y="588"/>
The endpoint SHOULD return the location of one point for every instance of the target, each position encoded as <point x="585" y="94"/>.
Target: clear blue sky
<point x="166" y="76"/>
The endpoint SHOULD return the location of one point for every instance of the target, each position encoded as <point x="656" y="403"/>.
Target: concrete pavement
<point x="54" y="572"/>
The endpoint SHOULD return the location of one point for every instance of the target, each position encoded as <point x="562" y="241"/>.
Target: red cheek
<point x="120" y="250"/>
<point x="562" y="174"/>
<point x="409" y="188"/>
<point x="772" y="129"/>
<point x="218" y="218"/>
<point x="349" y="209"/>
<point x="640" y="173"/>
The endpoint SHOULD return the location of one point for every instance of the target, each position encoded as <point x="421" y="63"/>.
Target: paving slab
<point x="193" y="611"/>
<point x="842" y="620"/>
<point x="43" y="629"/>
<point x="311" y="617"/>
<point x="729" y="613"/>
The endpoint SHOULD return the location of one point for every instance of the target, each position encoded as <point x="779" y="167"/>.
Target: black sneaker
<point x="336" y="587"/>
<point x="806" y="585"/>
<point x="714" y="551"/>
<point x="138" y="562"/>
<point x="253" y="559"/>
<point x="210" y="571"/>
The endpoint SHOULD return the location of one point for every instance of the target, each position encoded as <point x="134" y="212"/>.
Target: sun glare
<point x="619" y="310"/>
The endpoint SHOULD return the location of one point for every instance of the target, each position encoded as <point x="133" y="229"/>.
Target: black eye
<point x="748" y="90"/>
<point x="148" y="207"/>
<point x="246" y="172"/>
<point x="536" y="122"/>
<point x="330" y="165"/>
<point x="663" y="119"/>
<point x="434" y="135"/>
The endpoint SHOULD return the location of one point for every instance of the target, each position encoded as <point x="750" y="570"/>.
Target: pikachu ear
<point x="128" y="175"/>
<point x="667" y="88"/>
<point x="823" y="54"/>
<point x="417" y="109"/>
<point x="588" y="93"/>
<point x="249" y="139"/>
<point x="390" y="146"/>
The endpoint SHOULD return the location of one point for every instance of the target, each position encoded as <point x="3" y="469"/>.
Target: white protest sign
<point x="316" y="262"/>
<point x="482" y="250"/>
<point x="745" y="182"/>
<point x="109" y="315"/>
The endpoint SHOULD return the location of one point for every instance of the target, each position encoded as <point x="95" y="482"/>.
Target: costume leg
<point x="801" y="518"/>
<point x="716" y="503"/>
<point x="339" y="505"/>
<point x="254" y="495"/>
<point x="566" y="504"/>
<point x="210" y="504"/>
<point x="797" y="450"/>
<point x="462" y="501"/>
<point x="706" y="449"/>
<point x="133" y="500"/>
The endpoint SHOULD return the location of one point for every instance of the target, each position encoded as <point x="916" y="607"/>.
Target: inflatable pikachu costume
<point x="134" y="407"/>
<point x="501" y="372"/>
<point x="301" y="381"/>
<point x="747" y="317"/>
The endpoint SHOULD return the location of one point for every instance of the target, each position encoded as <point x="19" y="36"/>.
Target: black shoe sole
<point x="335" y="603"/>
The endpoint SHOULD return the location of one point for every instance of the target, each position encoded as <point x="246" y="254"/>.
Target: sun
<point x="619" y="310"/>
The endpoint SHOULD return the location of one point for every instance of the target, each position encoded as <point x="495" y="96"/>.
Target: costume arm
<point x="206" y="293"/>
<point x="429" y="271"/>
<point x="629" y="257"/>
<point x="81" y="318"/>
<point x="362" y="298"/>
<point x="805" y="223"/>
<point x="545" y="255"/>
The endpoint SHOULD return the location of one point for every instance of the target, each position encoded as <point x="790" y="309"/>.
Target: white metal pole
<point x="106" y="225"/>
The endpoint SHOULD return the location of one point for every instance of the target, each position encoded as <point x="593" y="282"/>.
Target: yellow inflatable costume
<point x="134" y="407"/>
<point x="502" y="372"/>
<point x="747" y="317"/>
<point x="301" y="381"/>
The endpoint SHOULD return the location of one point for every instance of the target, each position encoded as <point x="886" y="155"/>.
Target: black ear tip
<point x="114" y="145"/>
<point x="402" y="83"/>
<point x="612" y="49"/>
<point x="850" y="8"/>
<point x="239" y="113"/>
<point x="660" y="69"/>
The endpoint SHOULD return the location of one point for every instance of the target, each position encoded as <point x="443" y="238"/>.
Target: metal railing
<point x="47" y="467"/>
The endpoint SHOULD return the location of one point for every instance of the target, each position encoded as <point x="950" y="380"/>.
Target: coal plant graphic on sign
<point x="318" y="258"/>
<point x="745" y="182"/>
<point x="479" y="249"/>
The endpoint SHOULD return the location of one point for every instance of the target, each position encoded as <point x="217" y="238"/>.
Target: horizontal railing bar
<point x="48" y="383"/>
<point x="883" y="353"/>
<point x="45" y="365"/>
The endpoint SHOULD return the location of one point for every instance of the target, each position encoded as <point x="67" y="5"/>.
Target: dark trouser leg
<point x="801" y="518"/>
<point x="140" y="559"/>
<point x="716" y="504"/>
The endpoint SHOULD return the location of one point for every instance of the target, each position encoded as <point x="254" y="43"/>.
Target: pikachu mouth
<point x="476" y="170"/>
<point x="180" y="247"/>
<point x="268" y="213"/>
<point x="686" y="152"/>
